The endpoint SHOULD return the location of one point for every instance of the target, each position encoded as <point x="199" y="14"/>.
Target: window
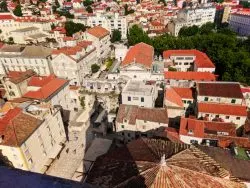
<point x="145" y="121"/>
<point x="206" y="99"/>
<point x="193" y="141"/>
<point x="143" y="127"/>
<point x="10" y="87"/>
<point x="190" y="131"/>
<point x="227" y="117"/>
<point x="128" y="134"/>
<point x="142" y="99"/>
<point x="238" y="118"/>
<point x="30" y="161"/>
<point x="122" y="126"/>
<point x="186" y="63"/>
<point x="134" y="76"/>
<point x="217" y="116"/>
<point x="233" y="101"/>
<point x="129" y="98"/>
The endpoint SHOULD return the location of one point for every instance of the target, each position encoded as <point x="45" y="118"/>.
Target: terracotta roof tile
<point x="222" y="109"/>
<point x="201" y="60"/>
<point x="196" y="76"/>
<point x="18" y="127"/>
<point x="184" y="93"/>
<point x="6" y="17"/>
<point x="132" y="113"/>
<point x="98" y="32"/>
<point x="47" y="89"/>
<point x="172" y="96"/>
<point x="18" y="76"/>
<point x="202" y="129"/>
<point x="219" y="89"/>
<point x="140" y="53"/>
<point x="158" y="163"/>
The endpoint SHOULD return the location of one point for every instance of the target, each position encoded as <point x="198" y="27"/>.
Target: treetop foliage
<point x="230" y="54"/>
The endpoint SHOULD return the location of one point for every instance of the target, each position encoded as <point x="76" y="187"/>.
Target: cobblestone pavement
<point x="72" y="154"/>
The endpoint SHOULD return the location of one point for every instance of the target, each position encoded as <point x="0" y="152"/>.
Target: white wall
<point x="187" y="139"/>
<point x="225" y="117"/>
<point x="44" y="142"/>
<point x="219" y="100"/>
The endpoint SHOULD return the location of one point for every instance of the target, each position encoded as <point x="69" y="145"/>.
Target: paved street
<point x="73" y="153"/>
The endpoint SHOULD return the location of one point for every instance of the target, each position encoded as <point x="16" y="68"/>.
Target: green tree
<point x="3" y="6"/>
<point x="188" y="31"/>
<point x="116" y="36"/>
<point x="226" y="31"/>
<point x="207" y="28"/>
<point x="89" y="9"/>
<point x="18" y="11"/>
<point x="137" y="35"/>
<point x="95" y="68"/>
<point x="72" y="27"/>
<point x="245" y="4"/>
<point x="109" y="63"/>
<point x="11" y="40"/>
<point x="87" y="3"/>
<point x="82" y="102"/>
<point x="163" y="1"/>
<point x="66" y="14"/>
<point x="172" y="69"/>
<point x="53" y="26"/>
<point x="127" y="10"/>
<point x="108" y="9"/>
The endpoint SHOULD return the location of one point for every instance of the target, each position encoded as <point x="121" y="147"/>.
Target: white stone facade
<point x="43" y="145"/>
<point x="17" y="58"/>
<point x="189" y="17"/>
<point x="109" y="22"/>
<point x="76" y="67"/>
<point x="139" y="93"/>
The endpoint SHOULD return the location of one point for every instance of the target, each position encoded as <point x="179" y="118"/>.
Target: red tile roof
<point x="196" y="76"/>
<point x="6" y="17"/>
<point x="98" y="32"/>
<point x="201" y="60"/>
<point x="8" y="117"/>
<point x="74" y="87"/>
<point x="1" y="44"/>
<point x="132" y="113"/>
<point x="39" y="81"/>
<point x="18" y="76"/>
<point x="220" y="89"/>
<point x="47" y="89"/>
<point x="140" y="53"/>
<point x="245" y="90"/>
<point x="202" y="129"/>
<point x="68" y="39"/>
<point x="224" y="109"/>
<point x="72" y="50"/>
<point x="184" y="93"/>
<point x="62" y="30"/>
<point x="18" y="126"/>
<point x="172" y="96"/>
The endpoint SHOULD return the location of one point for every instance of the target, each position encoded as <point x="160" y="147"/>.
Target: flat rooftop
<point x="139" y="88"/>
